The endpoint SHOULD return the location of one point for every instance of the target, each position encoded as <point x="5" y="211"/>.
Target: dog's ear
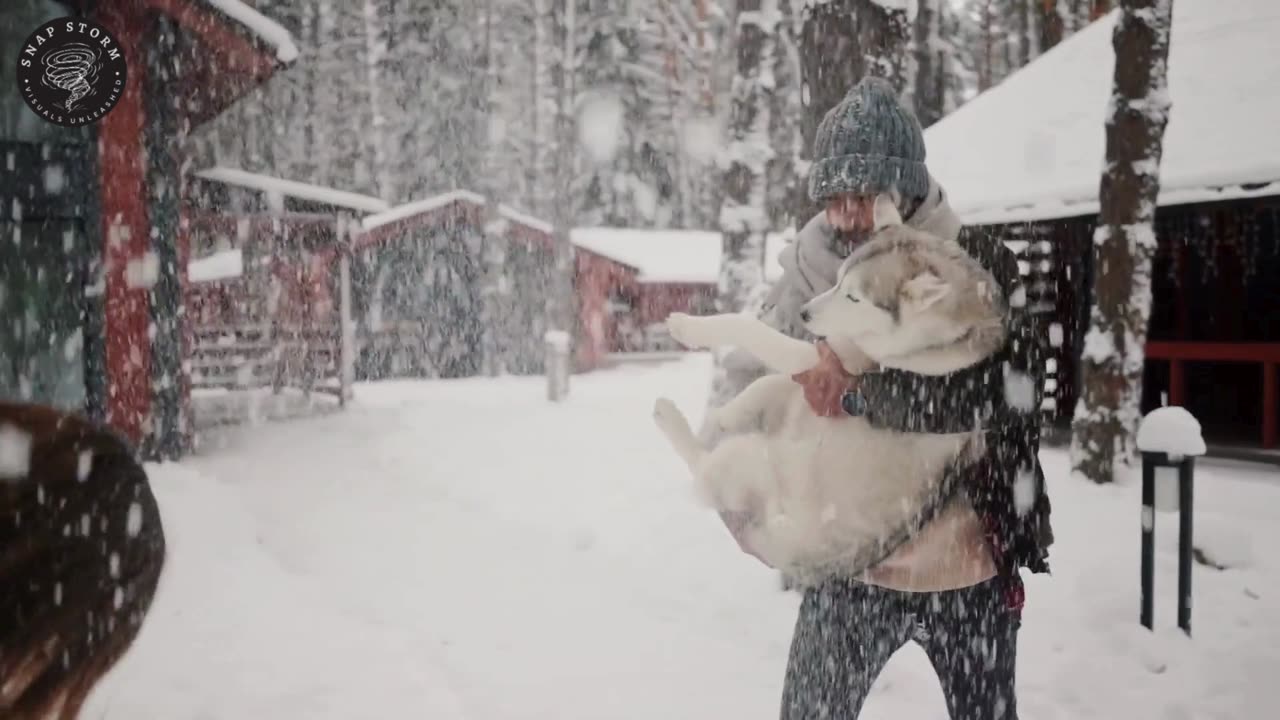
<point x="884" y="213"/>
<point x="925" y="289"/>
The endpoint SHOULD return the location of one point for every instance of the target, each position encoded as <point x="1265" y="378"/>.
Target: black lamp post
<point x="1168" y="438"/>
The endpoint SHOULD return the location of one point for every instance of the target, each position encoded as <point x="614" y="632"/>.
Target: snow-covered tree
<point x="494" y="291"/>
<point x="785" y="169"/>
<point x="1107" y="415"/>
<point x="743" y="220"/>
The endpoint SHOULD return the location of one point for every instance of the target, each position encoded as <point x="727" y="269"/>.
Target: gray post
<point x="1184" y="543"/>
<point x="1148" y="537"/>
<point x="347" y="355"/>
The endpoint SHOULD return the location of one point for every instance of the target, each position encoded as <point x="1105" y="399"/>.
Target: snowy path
<point x="466" y="550"/>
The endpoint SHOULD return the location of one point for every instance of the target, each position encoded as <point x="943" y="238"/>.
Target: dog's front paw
<point x="690" y="331"/>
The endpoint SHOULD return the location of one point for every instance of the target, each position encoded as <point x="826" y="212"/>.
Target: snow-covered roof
<point x="669" y="256"/>
<point x="525" y="219"/>
<point x="409" y="209"/>
<point x="218" y="266"/>
<point x="294" y="189"/>
<point x="267" y="29"/>
<point x="1032" y="148"/>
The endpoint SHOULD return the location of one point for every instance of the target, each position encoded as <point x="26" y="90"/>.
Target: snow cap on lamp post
<point x="1172" y="431"/>
<point x="1166" y="437"/>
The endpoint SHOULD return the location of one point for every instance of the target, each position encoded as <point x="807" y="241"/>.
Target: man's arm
<point x="963" y="400"/>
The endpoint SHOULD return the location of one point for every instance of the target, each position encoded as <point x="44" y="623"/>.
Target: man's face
<point x="852" y="216"/>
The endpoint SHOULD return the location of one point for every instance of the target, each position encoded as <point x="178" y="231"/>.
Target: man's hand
<point x="826" y="383"/>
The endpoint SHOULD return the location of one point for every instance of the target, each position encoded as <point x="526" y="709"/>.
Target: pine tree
<point x="784" y="170"/>
<point x="743" y="218"/>
<point x="1124" y="243"/>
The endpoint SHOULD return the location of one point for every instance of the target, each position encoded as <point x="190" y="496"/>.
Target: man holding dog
<point x="954" y="587"/>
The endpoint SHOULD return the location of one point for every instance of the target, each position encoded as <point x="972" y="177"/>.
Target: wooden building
<point x="1026" y="159"/>
<point x="95" y="237"/>
<point x="630" y="280"/>
<point x="263" y="301"/>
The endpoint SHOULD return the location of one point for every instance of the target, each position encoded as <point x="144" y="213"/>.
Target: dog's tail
<point x="81" y="550"/>
<point x="676" y="427"/>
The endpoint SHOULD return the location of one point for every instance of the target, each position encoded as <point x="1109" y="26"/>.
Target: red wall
<point x="597" y="279"/>
<point x="126" y="232"/>
<point x="598" y="332"/>
<point x="657" y="301"/>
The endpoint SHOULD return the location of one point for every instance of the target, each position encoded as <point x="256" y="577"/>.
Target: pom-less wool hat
<point x="869" y="143"/>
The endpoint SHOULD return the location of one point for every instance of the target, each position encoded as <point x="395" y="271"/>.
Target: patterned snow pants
<point x="846" y="632"/>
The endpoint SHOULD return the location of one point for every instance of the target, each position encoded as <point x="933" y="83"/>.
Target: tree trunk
<point x="743" y="216"/>
<point x="840" y="42"/>
<point x="783" y="171"/>
<point x="926" y="93"/>
<point x="1022" y="27"/>
<point x="375" y="27"/>
<point x="986" y="61"/>
<point x="560" y="299"/>
<point x="535" y="108"/>
<point x="1107" y="415"/>
<point x="676" y="100"/>
<point x="1051" y="14"/>
<point x="493" y="294"/>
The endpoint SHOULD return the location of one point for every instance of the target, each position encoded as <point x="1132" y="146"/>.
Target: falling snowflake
<point x="133" y="524"/>
<point x="1019" y="390"/>
<point x="84" y="465"/>
<point x="1024" y="492"/>
<point x="15" y="452"/>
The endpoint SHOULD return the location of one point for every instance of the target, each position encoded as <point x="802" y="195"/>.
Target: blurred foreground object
<point x="81" y="550"/>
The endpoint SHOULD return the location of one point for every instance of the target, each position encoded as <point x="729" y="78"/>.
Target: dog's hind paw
<point x="669" y="418"/>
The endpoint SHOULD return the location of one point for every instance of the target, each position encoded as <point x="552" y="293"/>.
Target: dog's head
<point x="905" y="290"/>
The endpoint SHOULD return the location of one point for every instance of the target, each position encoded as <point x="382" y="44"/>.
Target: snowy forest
<point x="403" y="99"/>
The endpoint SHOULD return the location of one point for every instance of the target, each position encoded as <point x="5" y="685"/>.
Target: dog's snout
<point x="805" y="315"/>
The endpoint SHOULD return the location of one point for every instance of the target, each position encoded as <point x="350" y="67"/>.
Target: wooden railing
<point x="1265" y="354"/>
<point x="254" y="356"/>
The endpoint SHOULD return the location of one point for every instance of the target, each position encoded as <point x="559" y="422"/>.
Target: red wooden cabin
<point x="110" y="193"/>
<point x="265" y="289"/>
<point x="435" y="249"/>
<point x="633" y="279"/>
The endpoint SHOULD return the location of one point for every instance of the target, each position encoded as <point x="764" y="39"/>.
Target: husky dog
<point x="827" y="493"/>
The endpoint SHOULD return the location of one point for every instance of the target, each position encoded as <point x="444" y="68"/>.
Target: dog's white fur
<point x="821" y="488"/>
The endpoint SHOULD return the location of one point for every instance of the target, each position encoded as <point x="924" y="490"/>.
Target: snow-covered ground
<point x="467" y="550"/>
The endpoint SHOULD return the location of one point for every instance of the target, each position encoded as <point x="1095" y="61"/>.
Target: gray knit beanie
<point x="869" y="143"/>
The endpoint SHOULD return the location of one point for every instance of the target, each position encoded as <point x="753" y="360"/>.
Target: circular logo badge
<point x="71" y="71"/>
